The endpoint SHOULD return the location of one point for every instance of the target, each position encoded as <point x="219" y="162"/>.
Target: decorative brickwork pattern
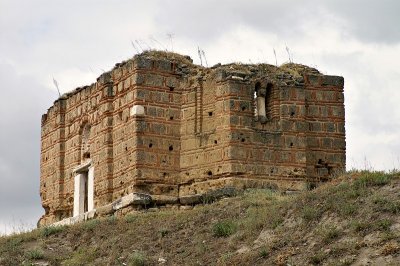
<point x="160" y="125"/>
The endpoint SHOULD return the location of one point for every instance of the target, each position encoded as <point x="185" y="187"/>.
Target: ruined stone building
<point x="159" y="125"/>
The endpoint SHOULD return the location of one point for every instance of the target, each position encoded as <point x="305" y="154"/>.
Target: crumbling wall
<point x="205" y="135"/>
<point x="160" y="125"/>
<point x="62" y="129"/>
<point x="52" y="159"/>
<point x="157" y="148"/>
<point x="326" y="143"/>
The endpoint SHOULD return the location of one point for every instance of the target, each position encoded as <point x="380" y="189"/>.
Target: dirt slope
<point x="353" y="221"/>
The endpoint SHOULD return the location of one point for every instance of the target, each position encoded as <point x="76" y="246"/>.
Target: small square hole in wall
<point x="210" y="113"/>
<point x="171" y="118"/>
<point x="171" y="88"/>
<point x="171" y="148"/>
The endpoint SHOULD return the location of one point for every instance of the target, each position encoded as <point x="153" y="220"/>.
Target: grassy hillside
<point x="353" y="220"/>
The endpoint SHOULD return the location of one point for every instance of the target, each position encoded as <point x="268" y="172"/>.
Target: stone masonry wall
<point x="201" y="130"/>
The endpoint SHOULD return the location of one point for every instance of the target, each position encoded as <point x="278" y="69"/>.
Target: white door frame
<point x="84" y="174"/>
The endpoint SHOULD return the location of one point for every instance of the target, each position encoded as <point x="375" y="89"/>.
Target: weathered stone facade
<point x="159" y="125"/>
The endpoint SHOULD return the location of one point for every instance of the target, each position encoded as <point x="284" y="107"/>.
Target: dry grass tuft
<point x="329" y="225"/>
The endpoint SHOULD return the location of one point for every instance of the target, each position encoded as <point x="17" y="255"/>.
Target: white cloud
<point x="24" y="100"/>
<point x="370" y="70"/>
<point x="80" y="78"/>
<point x="74" y="41"/>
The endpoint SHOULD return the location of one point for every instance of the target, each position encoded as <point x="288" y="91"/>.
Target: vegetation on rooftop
<point x="158" y="54"/>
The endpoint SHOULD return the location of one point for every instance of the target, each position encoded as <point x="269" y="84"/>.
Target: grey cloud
<point x="207" y="20"/>
<point x="40" y="38"/>
<point x="46" y="40"/>
<point x="370" y="97"/>
<point x="372" y="21"/>
<point x="372" y="116"/>
<point x="23" y="102"/>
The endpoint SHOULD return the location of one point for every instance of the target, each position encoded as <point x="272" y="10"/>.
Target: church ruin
<point x="160" y="126"/>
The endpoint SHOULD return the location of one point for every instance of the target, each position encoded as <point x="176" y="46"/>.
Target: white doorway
<point x="83" y="189"/>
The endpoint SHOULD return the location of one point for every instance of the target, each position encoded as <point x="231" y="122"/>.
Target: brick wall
<point x="199" y="131"/>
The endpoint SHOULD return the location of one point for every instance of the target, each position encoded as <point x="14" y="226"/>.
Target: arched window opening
<point x="256" y="88"/>
<point x="263" y="102"/>
<point x="85" y="147"/>
<point x="268" y="101"/>
<point x="84" y="175"/>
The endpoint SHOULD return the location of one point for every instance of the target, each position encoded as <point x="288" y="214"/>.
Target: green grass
<point x="130" y="218"/>
<point x="137" y="258"/>
<point x="112" y="220"/>
<point x="260" y="208"/>
<point x="11" y="244"/>
<point x="82" y="257"/>
<point x="310" y="214"/>
<point x="224" y="259"/>
<point x="386" y="205"/>
<point x="164" y="232"/>
<point x="348" y="209"/>
<point x="263" y="253"/>
<point x="34" y="254"/>
<point x="92" y="224"/>
<point x="329" y="233"/>
<point x="51" y="230"/>
<point x="322" y="226"/>
<point x="360" y="226"/>
<point x="369" y="179"/>
<point x="317" y="258"/>
<point x="384" y="225"/>
<point x="224" y="228"/>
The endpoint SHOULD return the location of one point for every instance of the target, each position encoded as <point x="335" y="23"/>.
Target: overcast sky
<point x="75" y="41"/>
